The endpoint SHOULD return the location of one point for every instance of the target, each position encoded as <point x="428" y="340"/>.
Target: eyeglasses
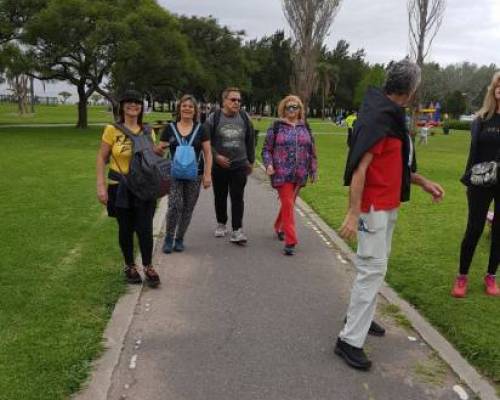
<point x="292" y="107"/>
<point x="235" y="100"/>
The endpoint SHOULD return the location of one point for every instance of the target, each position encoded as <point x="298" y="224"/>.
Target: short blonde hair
<point x="294" y="98"/>
<point x="490" y="103"/>
<point x="187" y="97"/>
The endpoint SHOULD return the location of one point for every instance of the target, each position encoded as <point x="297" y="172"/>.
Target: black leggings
<point x="479" y="200"/>
<point x="139" y="219"/>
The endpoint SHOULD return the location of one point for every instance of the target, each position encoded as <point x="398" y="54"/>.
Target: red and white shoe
<point x="460" y="287"/>
<point x="491" y="287"/>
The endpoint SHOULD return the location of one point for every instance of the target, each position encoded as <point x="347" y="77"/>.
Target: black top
<point x="168" y="135"/>
<point x="482" y="137"/>
<point x="489" y="140"/>
<point x="379" y="117"/>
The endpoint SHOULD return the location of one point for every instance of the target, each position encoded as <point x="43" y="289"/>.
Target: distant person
<point x="184" y="191"/>
<point x="424" y="133"/>
<point x="379" y="170"/>
<point x="289" y="156"/>
<point x="446" y="124"/>
<point x="133" y="214"/>
<point x="484" y="148"/>
<point x="233" y="147"/>
<point x="350" y="120"/>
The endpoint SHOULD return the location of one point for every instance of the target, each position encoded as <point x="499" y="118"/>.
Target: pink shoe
<point x="460" y="286"/>
<point x="491" y="285"/>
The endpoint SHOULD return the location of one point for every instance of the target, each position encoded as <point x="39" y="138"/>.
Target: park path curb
<point x="466" y="372"/>
<point x="100" y="380"/>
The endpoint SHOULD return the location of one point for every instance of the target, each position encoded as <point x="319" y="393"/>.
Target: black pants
<point x="139" y="219"/>
<point x="479" y="200"/>
<point x="233" y="182"/>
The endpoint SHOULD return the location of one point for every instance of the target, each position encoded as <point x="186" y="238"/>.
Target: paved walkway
<point x="237" y="323"/>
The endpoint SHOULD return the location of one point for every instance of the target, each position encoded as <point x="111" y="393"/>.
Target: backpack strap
<point x="177" y="136"/>
<point x="195" y="132"/>
<point x="215" y="121"/>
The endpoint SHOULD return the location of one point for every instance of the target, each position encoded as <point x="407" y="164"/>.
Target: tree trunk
<point x="82" y="107"/>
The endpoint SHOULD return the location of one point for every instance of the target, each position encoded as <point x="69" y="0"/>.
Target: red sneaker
<point x="460" y="286"/>
<point x="491" y="285"/>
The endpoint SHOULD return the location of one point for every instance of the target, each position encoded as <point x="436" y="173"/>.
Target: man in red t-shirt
<point x="380" y="168"/>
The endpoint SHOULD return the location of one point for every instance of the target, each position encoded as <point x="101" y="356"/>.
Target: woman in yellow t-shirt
<point x="132" y="214"/>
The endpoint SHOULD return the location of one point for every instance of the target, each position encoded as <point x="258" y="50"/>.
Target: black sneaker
<point x="375" y="329"/>
<point x="131" y="274"/>
<point x="152" y="277"/>
<point x="353" y="356"/>
<point x="289" y="250"/>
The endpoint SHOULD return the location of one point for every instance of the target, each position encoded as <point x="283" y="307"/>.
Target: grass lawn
<point x="62" y="114"/>
<point x="60" y="273"/>
<point x="60" y="269"/>
<point x="426" y="244"/>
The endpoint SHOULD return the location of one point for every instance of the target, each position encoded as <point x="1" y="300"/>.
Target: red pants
<point x="285" y="222"/>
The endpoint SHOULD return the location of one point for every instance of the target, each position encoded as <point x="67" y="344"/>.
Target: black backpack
<point x="149" y="174"/>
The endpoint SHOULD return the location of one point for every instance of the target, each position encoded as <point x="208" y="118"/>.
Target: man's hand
<point x="249" y="169"/>
<point x="222" y="161"/>
<point x="270" y="170"/>
<point x="207" y="181"/>
<point x="434" y="189"/>
<point x="349" y="228"/>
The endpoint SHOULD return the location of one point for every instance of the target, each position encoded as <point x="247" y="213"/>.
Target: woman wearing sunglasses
<point x="133" y="214"/>
<point x="289" y="156"/>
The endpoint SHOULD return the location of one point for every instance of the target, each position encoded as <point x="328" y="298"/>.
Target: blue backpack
<point x="185" y="164"/>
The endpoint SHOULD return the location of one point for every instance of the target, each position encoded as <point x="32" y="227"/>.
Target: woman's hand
<point x="270" y="170"/>
<point x="207" y="181"/>
<point x="102" y="195"/>
<point x="160" y="149"/>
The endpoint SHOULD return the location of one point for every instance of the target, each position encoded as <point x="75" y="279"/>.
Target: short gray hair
<point x="402" y="77"/>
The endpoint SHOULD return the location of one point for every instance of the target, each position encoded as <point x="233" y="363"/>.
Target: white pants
<point x="374" y="246"/>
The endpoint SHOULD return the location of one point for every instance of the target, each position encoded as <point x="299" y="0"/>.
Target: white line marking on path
<point x="133" y="362"/>
<point x="461" y="392"/>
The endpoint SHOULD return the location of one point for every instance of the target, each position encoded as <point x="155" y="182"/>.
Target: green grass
<point x="62" y="114"/>
<point x="426" y="244"/>
<point x="60" y="269"/>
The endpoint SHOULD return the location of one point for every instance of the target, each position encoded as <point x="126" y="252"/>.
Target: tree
<point x="153" y="57"/>
<point x="327" y="77"/>
<point x="425" y="18"/>
<point x="64" y="96"/>
<point x="310" y="21"/>
<point x="220" y="56"/>
<point x="270" y="67"/>
<point x="95" y="98"/>
<point x="455" y="104"/>
<point x="75" y="41"/>
<point x="374" y="77"/>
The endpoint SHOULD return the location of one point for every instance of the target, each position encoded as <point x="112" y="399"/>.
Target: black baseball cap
<point x="131" y="95"/>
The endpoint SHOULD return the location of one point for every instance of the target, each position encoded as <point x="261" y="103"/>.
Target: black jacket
<point x="475" y="131"/>
<point x="379" y="117"/>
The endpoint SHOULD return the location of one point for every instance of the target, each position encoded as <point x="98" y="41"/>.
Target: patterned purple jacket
<point x="292" y="153"/>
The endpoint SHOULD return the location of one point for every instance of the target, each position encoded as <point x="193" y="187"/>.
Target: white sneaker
<point x="220" y="231"/>
<point x="238" y="237"/>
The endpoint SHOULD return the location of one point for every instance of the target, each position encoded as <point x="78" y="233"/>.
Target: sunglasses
<point x="292" y="107"/>
<point x="235" y="100"/>
<point x="133" y="101"/>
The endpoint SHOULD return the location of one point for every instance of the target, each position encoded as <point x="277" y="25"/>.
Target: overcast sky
<point x="470" y="30"/>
